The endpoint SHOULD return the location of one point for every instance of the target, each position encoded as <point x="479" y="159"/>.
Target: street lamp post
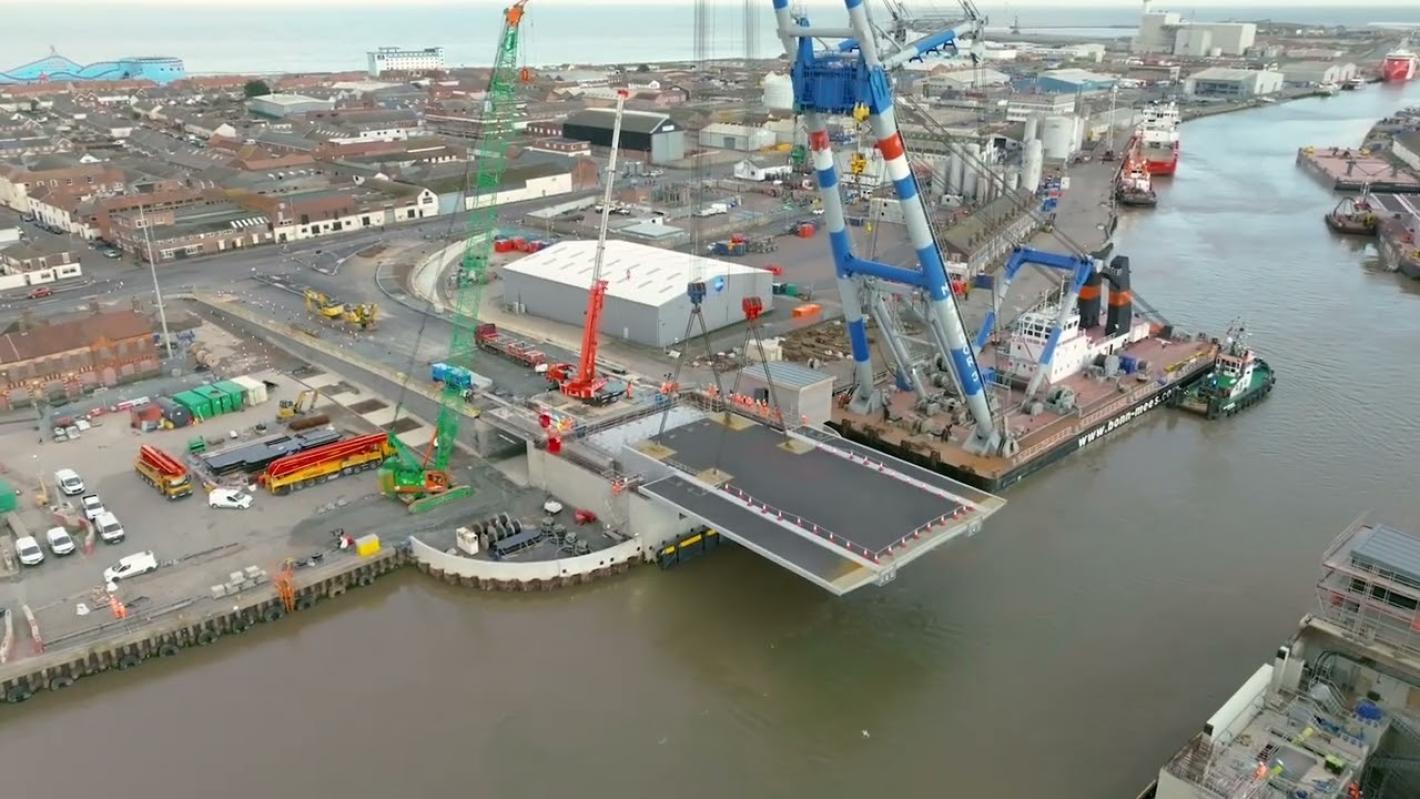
<point x="157" y="291"/>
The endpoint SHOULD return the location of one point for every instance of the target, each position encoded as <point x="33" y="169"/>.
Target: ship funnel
<point x="1089" y="303"/>
<point x="1120" y="316"/>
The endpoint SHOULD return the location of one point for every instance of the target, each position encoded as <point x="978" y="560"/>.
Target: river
<point x="1065" y="652"/>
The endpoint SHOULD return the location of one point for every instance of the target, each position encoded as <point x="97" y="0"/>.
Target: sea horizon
<point x="230" y="38"/>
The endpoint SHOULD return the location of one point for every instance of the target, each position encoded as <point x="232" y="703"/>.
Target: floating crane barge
<point x="1064" y="375"/>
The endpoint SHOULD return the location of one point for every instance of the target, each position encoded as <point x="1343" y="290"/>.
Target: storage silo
<point x="1013" y="179"/>
<point x="1032" y="128"/>
<point x="778" y="92"/>
<point x="1057" y="137"/>
<point x="1030" y="175"/>
<point x="958" y="175"/>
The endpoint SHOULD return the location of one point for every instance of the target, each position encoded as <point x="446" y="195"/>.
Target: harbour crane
<point x="585" y="383"/>
<point x="420" y="477"/>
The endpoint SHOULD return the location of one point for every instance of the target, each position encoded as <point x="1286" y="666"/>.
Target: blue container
<point x="1128" y="364"/>
<point x="441" y="372"/>
<point x="984" y="281"/>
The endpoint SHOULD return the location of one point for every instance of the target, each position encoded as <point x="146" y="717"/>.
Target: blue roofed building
<point x="1073" y="81"/>
<point x="161" y="70"/>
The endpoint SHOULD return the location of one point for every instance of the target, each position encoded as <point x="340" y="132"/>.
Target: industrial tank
<point x="1030" y="173"/>
<point x="778" y="92"/>
<point x="1057" y="137"/>
<point x="1032" y="128"/>
<point x="957" y="175"/>
<point x="941" y="166"/>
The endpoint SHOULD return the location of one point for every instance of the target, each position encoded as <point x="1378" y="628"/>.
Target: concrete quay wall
<point x="543" y="575"/>
<point x="165" y="635"/>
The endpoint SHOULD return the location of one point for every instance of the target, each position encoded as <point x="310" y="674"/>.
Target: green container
<point x="221" y="403"/>
<point x="233" y="390"/>
<point x="200" y="406"/>
<point x="9" y="500"/>
<point x="791" y="290"/>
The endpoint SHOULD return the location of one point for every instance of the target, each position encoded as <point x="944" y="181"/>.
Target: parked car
<point x="69" y="482"/>
<point x="28" y="550"/>
<point x="60" y="543"/>
<point x="93" y="506"/>
<point x="551" y="507"/>
<point x="42" y="291"/>
<point x="110" y="531"/>
<point x="131" y="566"/>
<point x="233" y="498"/>
<point x="112" y="253"/>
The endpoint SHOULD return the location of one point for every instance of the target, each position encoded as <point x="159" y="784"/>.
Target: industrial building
<point x="960" y="80"/>
<point x="646" y="300"/>
<point x="55" y="68"/>
<point x="1168" y="32"/>
<point x="1233" y="83"/>
<point x="394" y="59"/>
<point x="741" y="138"/>
<point x="279" y="106"/>
<point x="1024" y="106"/>
<point x="1309" y="73"/>
<point x="62" y="358"/>
<point x="1073" y="81"/>
<point x="646" y="132"/>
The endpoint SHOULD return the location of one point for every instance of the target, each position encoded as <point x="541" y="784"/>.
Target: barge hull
<point x="1078" y="440"/>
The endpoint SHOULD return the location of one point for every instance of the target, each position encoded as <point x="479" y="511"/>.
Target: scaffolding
<point x="1371" y="585"/>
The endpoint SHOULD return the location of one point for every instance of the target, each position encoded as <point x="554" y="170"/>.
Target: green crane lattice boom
<point x="421" y="476"/>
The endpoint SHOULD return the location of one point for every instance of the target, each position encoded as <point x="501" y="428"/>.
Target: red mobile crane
<point x="585" y="384"/>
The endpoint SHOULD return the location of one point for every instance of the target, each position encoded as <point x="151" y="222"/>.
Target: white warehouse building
<point x="646" y="300"/>
<point x="394" y="59"/>
<point x="1233" y="83"/>
<point x="741" y="138"/>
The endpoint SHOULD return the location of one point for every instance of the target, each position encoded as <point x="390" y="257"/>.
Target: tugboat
<point x="1134" y="187"/>
<point x="1238" y="380"/>
<point x="1353" y="217"/>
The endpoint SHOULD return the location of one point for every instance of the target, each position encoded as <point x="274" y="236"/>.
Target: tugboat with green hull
<point x="1238" y="380"/>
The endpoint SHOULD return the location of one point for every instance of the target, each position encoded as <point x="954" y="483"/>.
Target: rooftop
<point x="786" y="373"/>
<point x="631" y="122"/>
<point x="1225" y="73"/>
<point x="634" y="272"/>
<point x="73" y="334"/>
<point x="288" y="99"/>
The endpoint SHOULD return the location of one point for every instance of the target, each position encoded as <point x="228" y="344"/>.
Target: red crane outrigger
<point x="585" y="384"/>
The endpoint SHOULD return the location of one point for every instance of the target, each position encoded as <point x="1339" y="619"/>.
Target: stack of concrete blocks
<point x="240" y="581"/>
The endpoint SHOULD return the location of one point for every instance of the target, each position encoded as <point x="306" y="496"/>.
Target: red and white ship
<point x="1156" y="138"/>
<point x="1399" y="65"/>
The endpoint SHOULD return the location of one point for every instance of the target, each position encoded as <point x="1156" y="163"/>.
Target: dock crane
<point x="585" y="384"/>
<point x="420" y="477"/>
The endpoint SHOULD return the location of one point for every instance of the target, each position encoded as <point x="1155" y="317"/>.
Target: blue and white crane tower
<point x="852" y="78"/>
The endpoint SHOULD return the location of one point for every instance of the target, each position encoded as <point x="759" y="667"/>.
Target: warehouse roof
<point x="74" y="334"/>
<point x="634" y="272"/>
<point x="631" y="121"/>
<point x="787" y="374"/>
<point x="1072" y="75"/>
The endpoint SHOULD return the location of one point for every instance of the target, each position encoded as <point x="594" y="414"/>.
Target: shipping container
<point x="235" y="390"/>
<point x="255" y="389"/>
<point x="198" y="406"/>
<point x="176" y="413"/>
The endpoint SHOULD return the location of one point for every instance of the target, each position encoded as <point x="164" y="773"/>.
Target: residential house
<point x="319" y="212"/>
<point x="189" y="229"/>
<point x="40" y="255"/>
<point x="17" y="182"/>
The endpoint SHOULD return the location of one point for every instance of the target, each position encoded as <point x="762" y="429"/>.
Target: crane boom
<point x="586" y="384"/>
<point x="419" y="474"/>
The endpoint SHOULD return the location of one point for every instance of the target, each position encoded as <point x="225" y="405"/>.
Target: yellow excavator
<point x="361" y="315"/>
<point x="305" y="403"/>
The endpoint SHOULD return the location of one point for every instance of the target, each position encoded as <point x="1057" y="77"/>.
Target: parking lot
<point x="196" y="546"/>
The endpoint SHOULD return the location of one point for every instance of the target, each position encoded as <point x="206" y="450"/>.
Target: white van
<point x="28" y="550"/>
<point x="69" y="482"/>
<point x="59" y="541"/>
<point x="108" y="527"/>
